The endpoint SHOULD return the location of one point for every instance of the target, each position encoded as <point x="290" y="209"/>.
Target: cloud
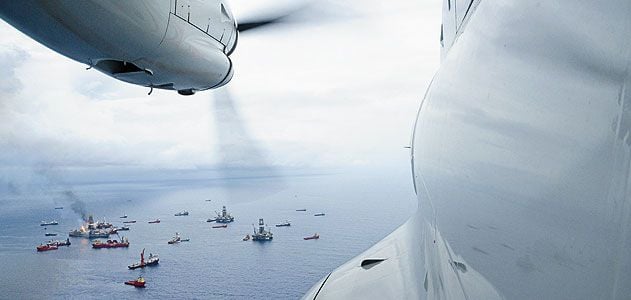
<point x="318" y="94"/>
<point x="10" y="59"/>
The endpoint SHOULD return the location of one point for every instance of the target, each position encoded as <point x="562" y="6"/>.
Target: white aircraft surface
<point x="521" y="159"/>
<point x="520" y="153"/>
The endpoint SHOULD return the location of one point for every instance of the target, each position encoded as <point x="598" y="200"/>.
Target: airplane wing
<point x="521" y="162"/>
<point x="407" y="264"/>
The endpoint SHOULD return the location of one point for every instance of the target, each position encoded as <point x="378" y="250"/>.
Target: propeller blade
<point x="244" y="26"/>
<point x="268" y="13"/>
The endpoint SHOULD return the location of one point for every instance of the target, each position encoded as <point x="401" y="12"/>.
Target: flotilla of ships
<point x="102" y="230"/>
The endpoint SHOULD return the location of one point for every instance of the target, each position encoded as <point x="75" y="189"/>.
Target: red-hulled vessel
<point x="124" y="243"/>
<point x="139" y="283"/>
<point x="313" y="237"/>
<point x="46" y="247"/>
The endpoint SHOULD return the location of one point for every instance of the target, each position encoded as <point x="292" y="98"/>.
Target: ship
<point x="129" y="222"/>
<point x="262" y="234"/>
<point x="176" y="239"/>
<point x="246" y="237"/>
<point x="59" y="207"/>
<point x="301" y="209"/>
<point x="151" y="261"/>
<point x="98" y="224"/>
<point x="46" y="247"/>
<point x="53" y="222"/>
<point x="319" y="214"/>
<point x="220" y="226"/>
<point x="284" y="224"/>
<point x="139" y="283"/>
<point x="182" y="213"/>
<point x="156" y="221"/>
<point x="123" y="216"/>
<point x="50" y="234"/>
<point x="98" y="233"/>
<point x="90" y="234"/>
<point x="59" y="243"/>
<point x="81" y="232"/>
<point x="313" y="237"/>
<point x="101" y="225"/>
<point x="224" y="217"/>
<point x="124" y="243"/>
<point x="124" y="228"/>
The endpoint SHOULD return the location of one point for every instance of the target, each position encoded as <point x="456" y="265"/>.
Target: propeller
<point x="240" y="155"/>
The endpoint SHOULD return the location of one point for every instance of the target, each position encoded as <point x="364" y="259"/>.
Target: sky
<point x="336" y="85"/>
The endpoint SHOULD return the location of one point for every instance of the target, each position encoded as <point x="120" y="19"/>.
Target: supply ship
<point x="151" y="261"/>
<point x="124" y="243"/>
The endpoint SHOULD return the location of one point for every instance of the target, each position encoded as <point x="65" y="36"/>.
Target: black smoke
<point x="76" y="204"/>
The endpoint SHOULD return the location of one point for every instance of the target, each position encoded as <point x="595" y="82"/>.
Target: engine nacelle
<point x="159" y="43"/>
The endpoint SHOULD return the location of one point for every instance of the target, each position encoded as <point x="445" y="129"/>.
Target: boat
<point x="313" y="237"/>
<point x="151" y="261"/>
<point x="246" y="237"/>
<point x="262" y="235"/>
<point x="220" y="226"/>
<point x="211" y="220"/>
<point x="301" y="209"/>
<point x="319" y="214"/>
<point x="208" y="200"/>
<point x="129" y="222"/>
<point x="123" y="216"/>
<point x="182" y="213"/>
<point x="90" y="234"/>
<point x="139" y="283"/>
<point x="46" y="247"/>
<point x="124" y="243"/>
<point x="59" y="243"/>
<point x="156" y="221"/>
<point x="50" y="234"/>
<point x="176" y="239"/>
<point x="96" y="234"/>
<point x="98" y="224"/>
<point x="59" y="207"/>
<point x="78" y="233"/>
<point x="283" y="224"/>
<point x="185" y="240"/>
<point x="53" y="222"/>
<point x="224" y="217"/>
<point x="124" y="228"/>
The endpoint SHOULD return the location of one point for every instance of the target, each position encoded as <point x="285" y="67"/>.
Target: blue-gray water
<point x="361" y="208"/>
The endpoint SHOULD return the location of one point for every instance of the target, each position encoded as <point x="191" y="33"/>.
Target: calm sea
<point x="361" y="208"/>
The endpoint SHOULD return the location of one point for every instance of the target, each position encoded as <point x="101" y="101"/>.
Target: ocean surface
<point x="361" y="208"/>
